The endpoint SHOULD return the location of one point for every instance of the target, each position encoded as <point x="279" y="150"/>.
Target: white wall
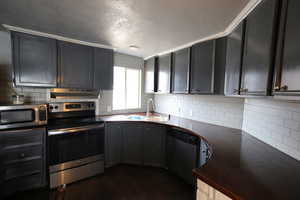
<point x="275" y="122"/>
<point x="217" y="110"/>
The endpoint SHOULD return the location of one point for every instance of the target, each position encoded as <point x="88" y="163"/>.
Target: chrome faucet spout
<point x="148" y="106"/>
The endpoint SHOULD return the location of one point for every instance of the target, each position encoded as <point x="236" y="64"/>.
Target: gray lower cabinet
<point x="135" y="143"/>
<point x="76" y="68"/>
<point x="34" y="60"/>
<point x="132" y="152"/>
<point x="113" y="144"/>
<point x="154" y="147"/>
<point x="103" y="69"/>
<point x="23" y="160"/>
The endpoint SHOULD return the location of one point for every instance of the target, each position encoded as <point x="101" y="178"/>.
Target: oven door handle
<point x="74" y="129"/>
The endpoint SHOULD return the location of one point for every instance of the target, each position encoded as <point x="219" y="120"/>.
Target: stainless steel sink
<point x="150" y="118"/>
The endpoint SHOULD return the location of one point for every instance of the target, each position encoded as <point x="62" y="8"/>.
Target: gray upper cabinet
<point x="151" y="75"/>
<point x="180" y="71"/>
<point x="202" y="68"/>
<point x="234" y="53"/>
<point x="288" y="58"/>
<point x="75" y="66"/>
<point x="164" y="73"/>
<point x="259" y="48"/>
<point x="113" y="143"/>
<point x="132" y="143"/>
<point x="34" y="60"/>
<point x="154" y="145"/>
<point x="103" y="68"/>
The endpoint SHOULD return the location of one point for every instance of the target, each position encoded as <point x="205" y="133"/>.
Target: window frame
<point x="125" y="88"/>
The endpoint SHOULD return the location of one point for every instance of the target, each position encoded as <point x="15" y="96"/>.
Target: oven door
<point x="76" y="144"/>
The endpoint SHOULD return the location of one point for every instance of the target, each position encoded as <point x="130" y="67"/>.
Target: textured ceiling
<point x="153" y="25"/>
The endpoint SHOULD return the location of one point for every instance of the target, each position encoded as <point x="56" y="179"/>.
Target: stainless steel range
<point x="76" y="142"/>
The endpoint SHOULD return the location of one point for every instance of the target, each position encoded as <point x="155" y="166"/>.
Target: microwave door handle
<point x="75" y="129"/>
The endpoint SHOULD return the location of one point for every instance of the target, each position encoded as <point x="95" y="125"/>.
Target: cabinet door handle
<point x="282" y="88"/>
<point x="22" y="155"/>
<point x="243" y="90"/>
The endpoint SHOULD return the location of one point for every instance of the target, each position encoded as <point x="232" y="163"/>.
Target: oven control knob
<point x="51" y="107"/>
<point x="56" y="107"/>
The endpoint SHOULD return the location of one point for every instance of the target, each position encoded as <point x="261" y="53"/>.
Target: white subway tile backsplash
<point x="275" y="122"/>
<point x="218" y="110"/>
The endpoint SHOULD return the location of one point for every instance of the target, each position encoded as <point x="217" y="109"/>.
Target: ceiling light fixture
<point x="134" y="47"/>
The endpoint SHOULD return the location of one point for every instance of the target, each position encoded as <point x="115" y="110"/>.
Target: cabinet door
<point x="164" y="74"/>
<point x="103" y="66"/>
<point x="234" y="52"/>
<point x="132" y="143"/>
<point x="202" y="67"/>
<point x="289" y="70"/>
<point x="154" y="145"/>
<point x="113" y="144"/>
<point x="180" y="71"/>
<point x="150" y="75"/>
<point x="75" y="66"/>
<point x="259" y="49"/>
<point x="35" y="60"/>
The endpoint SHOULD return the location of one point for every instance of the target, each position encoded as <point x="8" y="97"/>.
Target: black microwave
<point x="16" y="116"/>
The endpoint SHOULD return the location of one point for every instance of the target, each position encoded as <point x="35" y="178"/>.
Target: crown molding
<point x="57" y="37"/>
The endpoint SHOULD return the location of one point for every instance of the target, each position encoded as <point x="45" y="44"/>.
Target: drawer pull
<point x="22" y="155"/>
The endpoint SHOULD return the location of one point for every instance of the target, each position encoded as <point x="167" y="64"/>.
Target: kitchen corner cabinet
<point x="151" y="75"/>
<point x="154" y="145"/>
<point x="202" y="67"/>
<point x="103" y="68"/>
<point x="180" y="71"/>
<point x="34" y="60"/>
<point x="288" y="57"/>
<point x="259" y="48"/>
<point x="164" y="74"/>
<point x="234" y="52"/>
<point x="132" y="143"/>
<point x="76" y="68"/>
<point x="113" y="143"/>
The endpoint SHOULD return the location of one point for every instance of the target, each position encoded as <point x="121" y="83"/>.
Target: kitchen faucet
<point x="148" y="106"/>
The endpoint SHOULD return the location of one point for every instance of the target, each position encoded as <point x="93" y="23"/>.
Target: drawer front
<point x="23" y="169"/>
<point x="21" y="184"/>
<point x="22" y="154"/>
<point x="24" y="137"/>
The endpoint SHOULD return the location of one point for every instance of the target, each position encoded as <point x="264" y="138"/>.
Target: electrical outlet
<point x="108" y="108"/>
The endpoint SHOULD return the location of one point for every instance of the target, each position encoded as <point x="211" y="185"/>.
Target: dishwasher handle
<point x="184" y="137"/>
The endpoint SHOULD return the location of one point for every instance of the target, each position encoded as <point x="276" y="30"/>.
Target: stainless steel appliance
<point x="22" y="147"/>
<point x="16" y="116"/>
<point x="66" y="93"/>
<point x="76" y="142"/>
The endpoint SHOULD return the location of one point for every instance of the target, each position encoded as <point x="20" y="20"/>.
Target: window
<point x="127" y="88"/>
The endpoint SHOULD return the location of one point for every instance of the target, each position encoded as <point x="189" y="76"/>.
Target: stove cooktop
<point x="72" y="122"/>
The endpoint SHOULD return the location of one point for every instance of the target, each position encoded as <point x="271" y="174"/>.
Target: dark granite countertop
<point x="241" y="166"/>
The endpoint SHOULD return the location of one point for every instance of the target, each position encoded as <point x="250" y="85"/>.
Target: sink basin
<point x="136" y="117"/>
<point x="151" y="118"/>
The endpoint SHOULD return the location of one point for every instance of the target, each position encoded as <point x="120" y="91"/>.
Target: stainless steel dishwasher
<point x="183" y="152"/>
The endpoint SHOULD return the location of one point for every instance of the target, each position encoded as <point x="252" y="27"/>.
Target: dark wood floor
<point x="122" y="182"/>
